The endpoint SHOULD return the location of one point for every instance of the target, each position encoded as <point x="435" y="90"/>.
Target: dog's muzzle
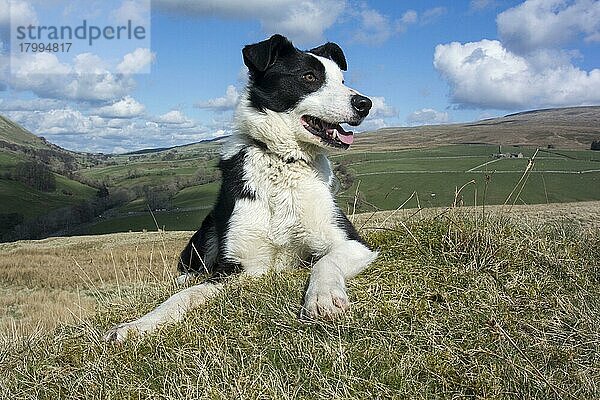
<point x="361" y="105"/>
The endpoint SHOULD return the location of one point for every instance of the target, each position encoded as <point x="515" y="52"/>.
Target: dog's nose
<point x="361" y="104"/>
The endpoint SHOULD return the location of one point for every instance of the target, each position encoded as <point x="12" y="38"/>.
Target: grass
<point x="20" y="198"/>
<point x="386" y="179"/>
<point x="44" y="282"/>
<point x="167" y="220"/>
<point x="457" y="306"/>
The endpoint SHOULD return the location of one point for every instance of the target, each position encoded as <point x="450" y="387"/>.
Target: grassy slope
<point x="14" y="133"/>
<point x="387" y="179"/>
<point x="451" y="309"/>
<point x="20" y="198"/>
<point x="16" y="197"/>
<point x="564" y="128"/>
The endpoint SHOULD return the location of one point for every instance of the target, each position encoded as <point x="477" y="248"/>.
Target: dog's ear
<point x="260" y="56"/>
<point x="333" y="52"/>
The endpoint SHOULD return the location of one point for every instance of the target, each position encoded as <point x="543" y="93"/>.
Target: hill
<point x="38" y="179"/>
<point x="564" y="128"/>
<point x="13" y="133"/>
<point x="457" y="305"/>
<point x="381" y="171"/>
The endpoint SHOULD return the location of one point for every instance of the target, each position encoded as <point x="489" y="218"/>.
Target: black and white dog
<point x="275" y="209"/>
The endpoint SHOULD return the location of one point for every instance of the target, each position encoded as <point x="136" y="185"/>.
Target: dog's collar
<point x="263" y="146"/>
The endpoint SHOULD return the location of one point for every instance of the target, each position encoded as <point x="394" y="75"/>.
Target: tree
<point x="595" y="145"/>
<point x="35" y="175"/>
<point x="102" y="192"/>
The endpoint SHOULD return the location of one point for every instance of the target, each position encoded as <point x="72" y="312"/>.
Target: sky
<point x="421" y="62"/>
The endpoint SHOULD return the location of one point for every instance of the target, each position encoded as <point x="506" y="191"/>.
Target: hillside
<point x="564" y="128"/>
<point x="13" y="133"/>
<point x="37" y="180"/>
<point x="457" y="305"/>
<point x="424" y="165"/>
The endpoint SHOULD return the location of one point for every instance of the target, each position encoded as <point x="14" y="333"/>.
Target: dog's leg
<point x="326" y="295"/>
<point x="171" y="311"/>
<point x="200" y="254"/>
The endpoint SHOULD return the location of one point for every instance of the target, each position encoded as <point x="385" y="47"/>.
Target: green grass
<point x="197" y="196"/>
<point x="141" y="172"/>
<point x="14" y="133"/>
<point x="388" y="179"/>
<point x="195" y="203"/>
<point x="451" y="309"/>
<point x="9" y="159"/>
<point x="19" y="198"/>
<point x="167" y="220"/>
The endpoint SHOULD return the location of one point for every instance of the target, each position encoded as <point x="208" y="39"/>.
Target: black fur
<point x="260" y="56"/>
<point x="344" y="224"/>
<point x="233" y="188"/>
<point x="333" y="52"/>
<point x="277" y="74"/>
<point x="192" y="258"/>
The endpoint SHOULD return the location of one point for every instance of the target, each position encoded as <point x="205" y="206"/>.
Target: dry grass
<point x="45" y="282"/>
<point x="565" y="128"/>
<point x="25" y="312"/>
<point x="456" y="306"/>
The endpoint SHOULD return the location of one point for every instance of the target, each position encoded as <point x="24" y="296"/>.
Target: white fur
<point x="293" y="215"/>
<point x="170" y="311"/>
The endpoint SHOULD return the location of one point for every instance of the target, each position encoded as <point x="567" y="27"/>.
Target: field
<point x="410" y="166"/>
<point x="25" y="200"/>
<point x="387" y="179"/>
<point x="459" y="304"/>
<point x="383" y="181"/>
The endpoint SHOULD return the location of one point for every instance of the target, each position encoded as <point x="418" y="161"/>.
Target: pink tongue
<point x="345" y="137"/>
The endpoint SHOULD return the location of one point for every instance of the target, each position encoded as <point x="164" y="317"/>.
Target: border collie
<point x="275" y="209"/>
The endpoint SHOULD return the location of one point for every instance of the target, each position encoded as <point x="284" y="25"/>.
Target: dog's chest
<point x="297" y="201"/>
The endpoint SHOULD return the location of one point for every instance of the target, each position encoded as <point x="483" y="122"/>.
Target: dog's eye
<point x="343" y="82"/>
<point x="309" y="77"/>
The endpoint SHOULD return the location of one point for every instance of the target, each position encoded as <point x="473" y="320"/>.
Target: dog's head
<point x="303" y="90"/>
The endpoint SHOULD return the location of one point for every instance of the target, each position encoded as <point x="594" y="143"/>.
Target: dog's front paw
<point x="326" y="302"/>
<point x="120" y="332"/>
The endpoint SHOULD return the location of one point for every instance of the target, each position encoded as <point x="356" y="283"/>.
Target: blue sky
<point x="422" y="62"/>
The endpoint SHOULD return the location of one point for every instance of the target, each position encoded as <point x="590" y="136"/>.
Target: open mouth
<point x="330" y="134"/>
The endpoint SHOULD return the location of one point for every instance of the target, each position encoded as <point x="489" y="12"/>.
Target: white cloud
<point x="372" y="124"/>
<point x="136" y="11"/>
<point x="536" y="24"/>
<point x="427" y="116"/>
<point x="410" y="17"/>
<point x="88" y="63"/>
<point x="302" y="21"/>
<point x="85" y="80"/>
<point x="136" y="61"/>
<point x="379" y="115"/>
<point x="30" y="105"/>
<point x="79" y="131"/>
<point x="127" y="107"/>
<point x="381" y="109"/>
<point x="225" y="103"/>
<point x="478" y="5"/>
<point x="486" y="74"/>
<point x="375" y="28"/>
<point x="174" y="117"/>
<point x="431" y="15"/>
<point x="53" y="122"/>
<point x="22" y="13"/>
